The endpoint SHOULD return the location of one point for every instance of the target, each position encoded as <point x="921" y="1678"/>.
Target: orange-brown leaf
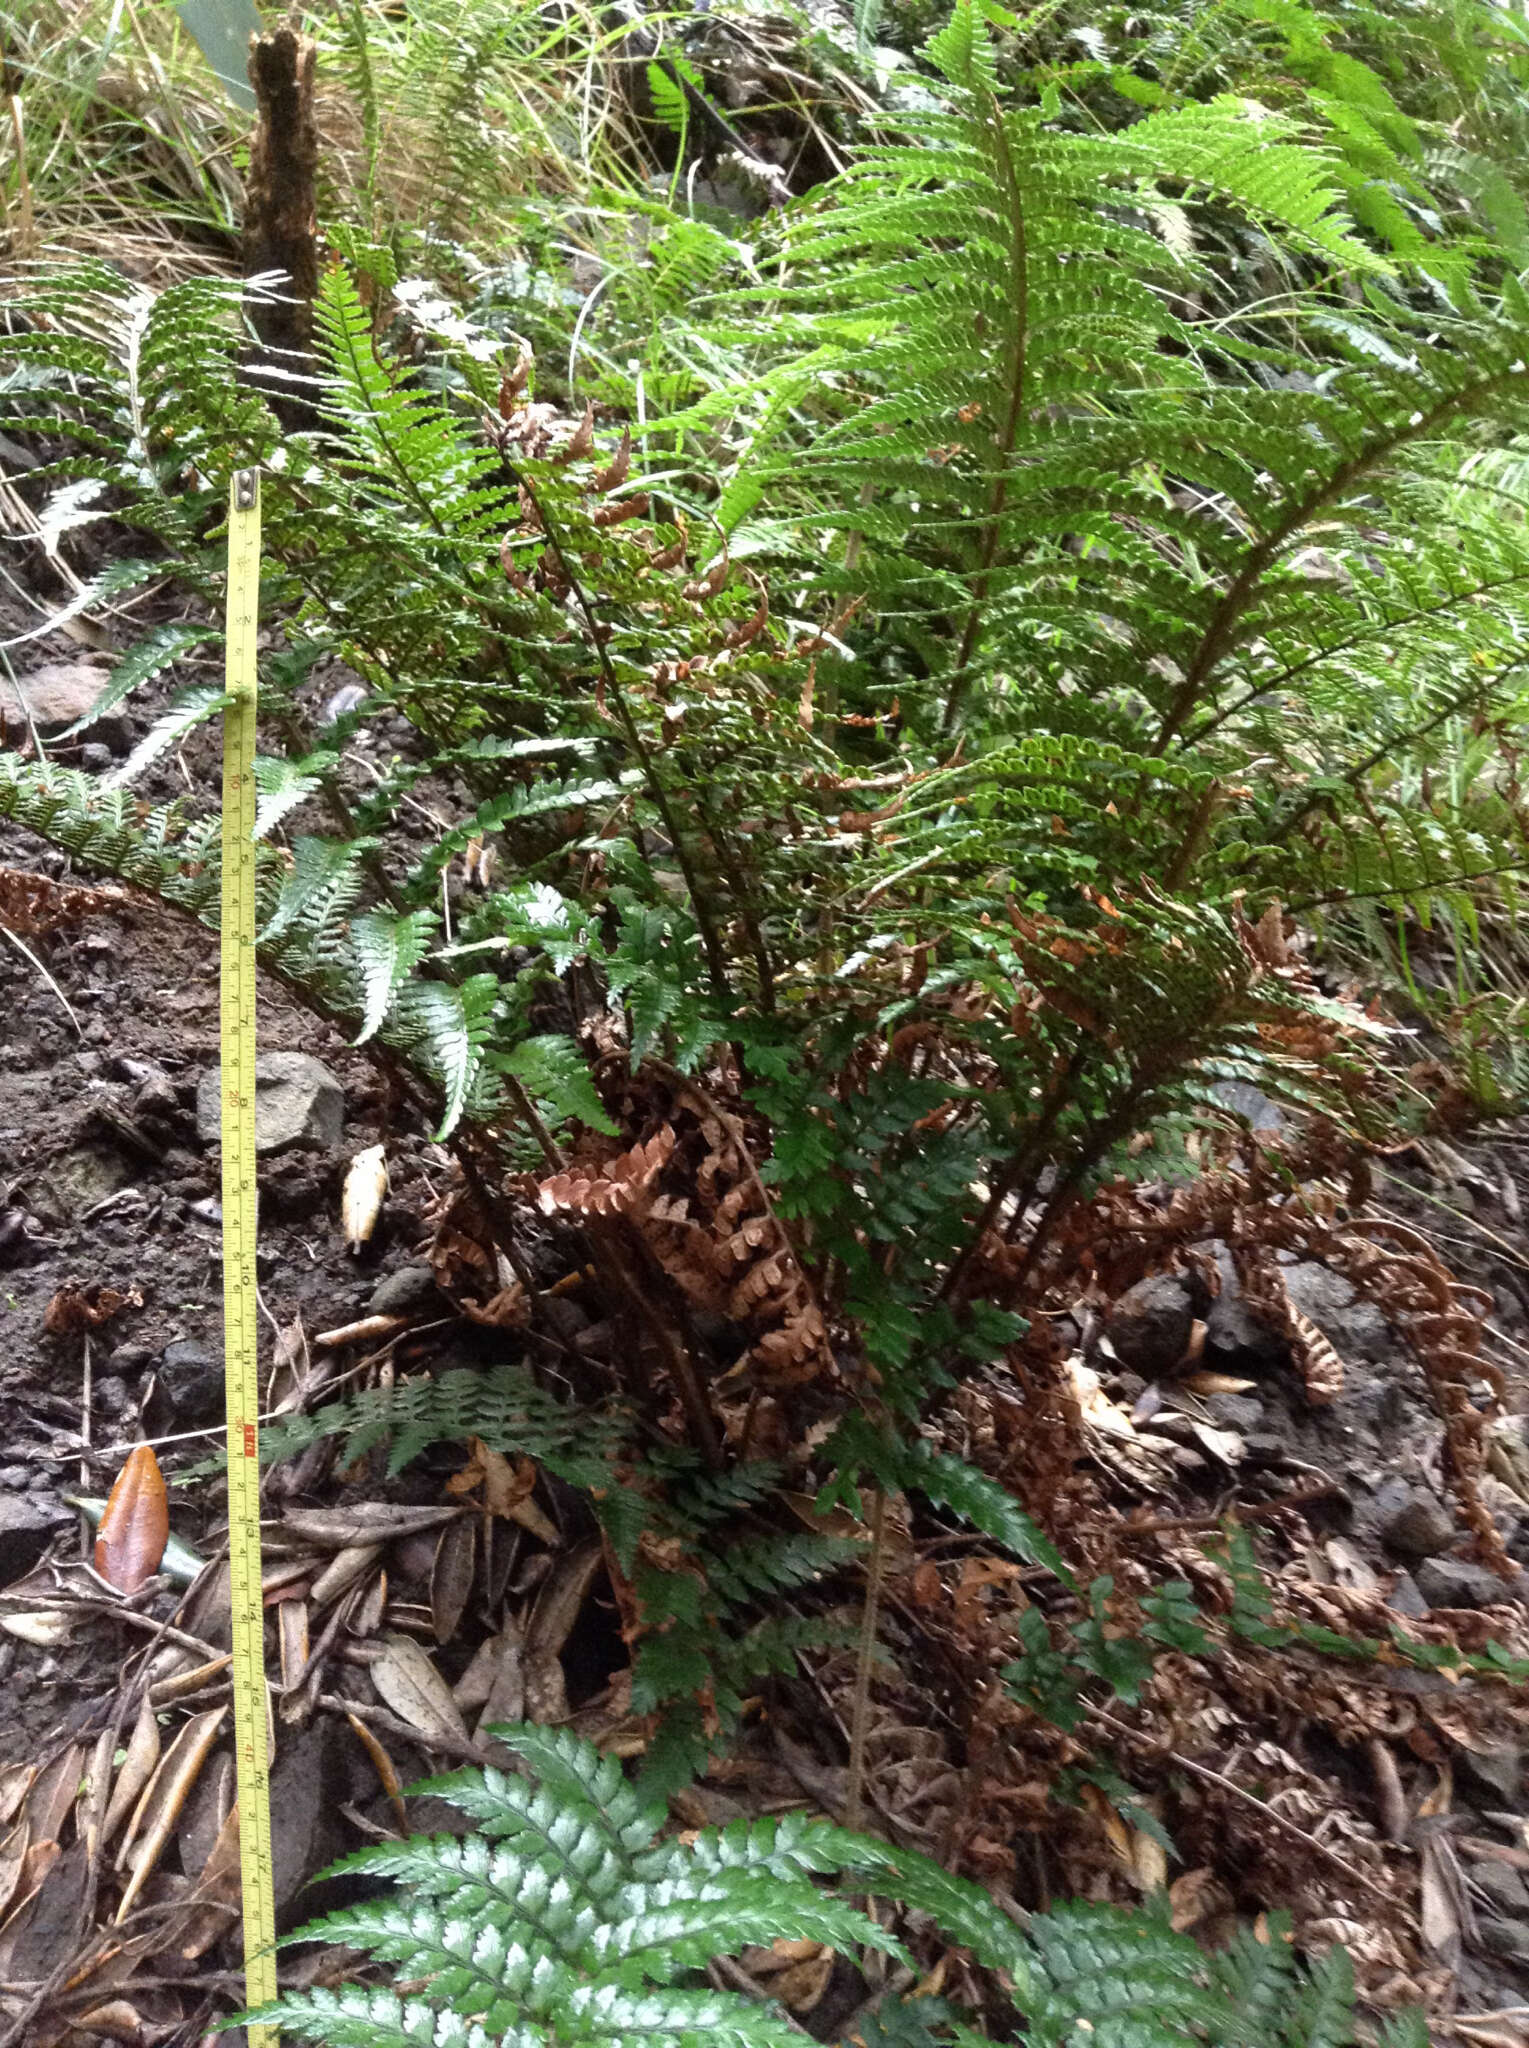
<point x="136" y="1524"/>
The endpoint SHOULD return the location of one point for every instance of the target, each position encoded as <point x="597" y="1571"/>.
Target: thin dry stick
<point x="86" y="1545"/>
<point x="1269" y="1813"/>
<point x="854" y="1801"/>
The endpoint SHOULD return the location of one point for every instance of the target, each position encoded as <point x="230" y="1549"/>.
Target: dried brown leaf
<point x="452" y="1575"/>
<point x="382" y="1763"/>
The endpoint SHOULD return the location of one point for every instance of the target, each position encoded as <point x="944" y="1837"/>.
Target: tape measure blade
<point x="240" y="1331"/>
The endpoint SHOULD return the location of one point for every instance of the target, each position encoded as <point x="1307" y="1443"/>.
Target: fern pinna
<point x="569" y="1917"/>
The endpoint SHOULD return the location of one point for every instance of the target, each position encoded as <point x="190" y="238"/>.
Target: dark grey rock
<point x="126" y="1358"/>
<point x="112" y="1399"/>
<point x="297" y="1102"/>
<point x="1405" y="1599"/>
<point x="1149" y="1325"/>
<point x="1238" y="1341"/>
<point x="95" y="758"/>
<point x="1416" y="1524"/>
<point x="1355" y="1328"/>
<point x="565" y="1320"/>
<point x="1265" y="1447"/>
<point x="1508" y="1939"/>
<point x="27" y="1523"/>
<point x="1455" y="1582"/>
<point x="1236" y="1411"/>
<point x="1498" y="1771"/>
<point x="191" y="1381"/>
<point x="405" y="1293"/>
<point x="1504" y="1888"/>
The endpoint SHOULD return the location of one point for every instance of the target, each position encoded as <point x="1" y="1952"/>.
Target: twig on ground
<point x="1271" y="1814"/>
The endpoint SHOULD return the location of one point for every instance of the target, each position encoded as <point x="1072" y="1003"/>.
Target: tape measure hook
<point x="246" y="489"/>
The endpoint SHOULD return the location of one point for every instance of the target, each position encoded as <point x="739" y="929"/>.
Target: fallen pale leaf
<point x="452" y="1575"/>
<point x="506" y="1699"/>
<point x="35" y="1865"/>
<point x="362" y="1332"/>
<point x="365" y="1617"/>
<point x="13" y="1856"/>
<point x="45" y="1629"/>
<point x="407" y="1681"/>
<point x="136" y="1525"/>
<point x="562" y="1596"/>
<point x="292" y="1618"/>
<point x="55" y="1792"/>
<point x="15" y="1782"/>
<point x="137" y="1769"/>
<point x="114" y="2021"/>
<point x="369" y="1521"/>
<point x="1215" y="1383"/>
<point x="215" y="1900"/>
<point x="161" y="1804"/>
<point x="342" y="1571"/>
<point x="206" y="1809"/>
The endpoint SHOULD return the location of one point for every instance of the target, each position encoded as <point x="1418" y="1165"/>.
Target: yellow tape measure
<point x="237" y="1005"/>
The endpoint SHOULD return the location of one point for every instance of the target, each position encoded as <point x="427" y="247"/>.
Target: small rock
<point x="16" y="1475"/>
<point x="208" y="1210"/>
<point x="1497" y="1771"/>
<point x="1236" y="1411"/>
<point x="1454" y="1582"/>
<point x="112" y="1399"/>
<point x="297" y="1102"/>
<point x="1506" y="1938"/>
<point x="1503" y="1887"/>
<point x="565" y="1320"/>
<point x="191" y="1380"/>
<point x="126" y="1358"/>
<point x="404" y="1293"/>
<point x="1417" y="1525"/>
<point x="79" y="1179"/>
<point x="1149" y="1326"/>
<point x="349" y="697"/>
<point x="1237" y="1340"/>
<point x="60" y="693"/>
<point x="1405" y="1599"/>
<point x="95" y="758"/>
<point x="26" y="1526"/>
<point x="1265" y="1447"/>
<point x="136" y="1071"/>
<point x="1355" y="1328"/>
<point x="156" y="1097"/>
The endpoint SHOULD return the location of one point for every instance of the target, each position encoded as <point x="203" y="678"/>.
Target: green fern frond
<point x="581" y="1924"/>
<point x="504" y="1407"/>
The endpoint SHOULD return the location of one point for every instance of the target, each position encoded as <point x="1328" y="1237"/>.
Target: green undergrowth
<point x="568" y="1916"/>
<point x="869" y="718"/>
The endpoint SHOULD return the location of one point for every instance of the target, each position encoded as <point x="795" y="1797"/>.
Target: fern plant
<point x="569" y="1917"/>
